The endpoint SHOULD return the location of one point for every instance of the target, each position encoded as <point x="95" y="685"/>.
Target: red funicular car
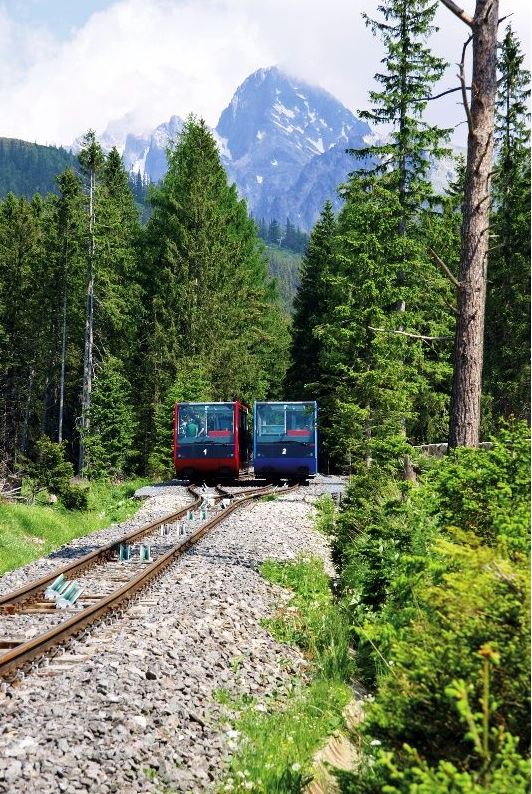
<point x="210" y="439"/>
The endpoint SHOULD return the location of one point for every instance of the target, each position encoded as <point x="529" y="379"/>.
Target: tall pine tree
<point x="385" y="342"/>
<point x="411" y="72"/>
<point x="507" y="336"/>
<point x="304" y="378"/>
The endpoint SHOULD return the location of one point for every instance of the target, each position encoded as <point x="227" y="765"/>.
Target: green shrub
<point x="430" y="575"/>
<point x="488" y="491"/>
<point x="493" y="761"/>
<point x="409" y="773"/>
<point x="75" y="498"/>
<point x="481" y="599"/>
<point x="48" y="470"/>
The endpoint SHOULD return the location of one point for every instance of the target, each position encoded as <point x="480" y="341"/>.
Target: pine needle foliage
<point x="507" y="337"/>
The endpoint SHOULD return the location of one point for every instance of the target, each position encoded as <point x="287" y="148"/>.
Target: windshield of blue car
<point x="287" y="422"/>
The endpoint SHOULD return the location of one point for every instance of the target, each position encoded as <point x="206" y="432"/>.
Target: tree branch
<point x="444" y="93"/>
<point x="461" y="77"/>
<point x="445" y="269"/>
<point x="411" y="336"/>
<point x="459" y="12"/>
<point x="452" y="309"/>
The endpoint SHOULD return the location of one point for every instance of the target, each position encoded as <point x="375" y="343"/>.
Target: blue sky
<point x="61" y="16"/>
<point x="70" y="65"/>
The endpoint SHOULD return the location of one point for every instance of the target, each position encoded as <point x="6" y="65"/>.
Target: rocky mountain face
<point x="281" y="140"/>
<point x="147" y="154"/>
<point x="144" y="154"/>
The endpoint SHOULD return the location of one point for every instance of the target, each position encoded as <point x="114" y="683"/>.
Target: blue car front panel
<point x="266" y="465"/>
<point x="285" y="438"/>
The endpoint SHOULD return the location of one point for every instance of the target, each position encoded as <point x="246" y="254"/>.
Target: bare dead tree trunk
<point x="62" y="378"/>
<point x="63" y="339"/>
<point x="27" y="410"/>
<point x="89" y="332"/>
<point x="464" y="429"/>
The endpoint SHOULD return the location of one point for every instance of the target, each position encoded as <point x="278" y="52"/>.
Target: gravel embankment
<point x="132" y="709"/>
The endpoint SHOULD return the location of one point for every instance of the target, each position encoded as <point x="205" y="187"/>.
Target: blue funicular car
<point x="285" y="439"/>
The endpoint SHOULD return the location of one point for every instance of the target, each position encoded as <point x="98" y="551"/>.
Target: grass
<point x="274" y="742"/>
<point x="31" y="531"/>
<point x="311" y="620"/>
<point x="274" y="749"/>
<point x="326" y="515"/>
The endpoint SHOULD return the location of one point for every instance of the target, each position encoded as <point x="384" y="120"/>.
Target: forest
<point x="26" y="168"/>
<point x="106" y="321"/>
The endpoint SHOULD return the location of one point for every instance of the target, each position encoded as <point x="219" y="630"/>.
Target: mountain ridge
<point x="273" y="128"/>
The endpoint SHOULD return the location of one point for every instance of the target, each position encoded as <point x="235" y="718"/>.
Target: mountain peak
<point x="274" y="126"/>
<point x="270" y="100"/>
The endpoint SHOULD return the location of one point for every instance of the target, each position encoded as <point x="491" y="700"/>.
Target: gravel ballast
<point x="133" y="707"/>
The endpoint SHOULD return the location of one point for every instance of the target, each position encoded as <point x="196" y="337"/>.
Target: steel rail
<point x="257" y="491"/>
<point x="38" y="646"/>
<point x="80" y="563"/>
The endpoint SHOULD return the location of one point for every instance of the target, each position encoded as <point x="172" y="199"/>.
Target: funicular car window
<point x="203" y="423"/>
<point x="285" y="421"/>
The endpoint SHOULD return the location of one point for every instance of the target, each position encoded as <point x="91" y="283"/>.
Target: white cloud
<point x="20" y="47"/>
<point x="154" y="58"/>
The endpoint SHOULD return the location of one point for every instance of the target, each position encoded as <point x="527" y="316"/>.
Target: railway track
<point x="117" y="581"/>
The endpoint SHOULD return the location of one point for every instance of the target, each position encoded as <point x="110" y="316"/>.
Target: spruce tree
<point x="386" y="341"/>
<point x="507" y="336"/>
<point x="110" y="442"/>
<point x="206" y="280"/>
<point x="411" y="72"/>
<point x="117" y="291"/>
<point x="305" y="378"/>
<point x="375" y="375"/>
